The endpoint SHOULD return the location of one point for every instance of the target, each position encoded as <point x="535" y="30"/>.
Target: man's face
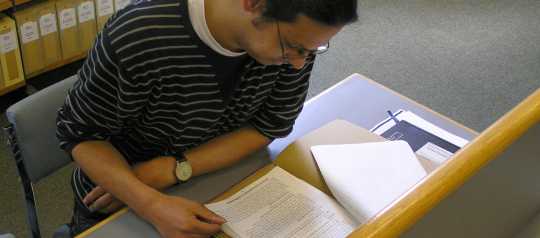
<point x="275" y="43"/>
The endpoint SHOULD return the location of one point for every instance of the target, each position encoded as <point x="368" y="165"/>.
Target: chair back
<point x="33" y="130"/>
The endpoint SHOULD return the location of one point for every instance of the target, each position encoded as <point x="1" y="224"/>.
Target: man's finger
<point x="201" y="227"/>
<point x="208" y="216"/>
<point x="101" y="202"/>
<point x="96" y="193"/>
<point x="114" y="206"/>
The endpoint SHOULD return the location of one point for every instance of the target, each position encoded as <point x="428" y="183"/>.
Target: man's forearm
<point x="107" y="167"/>
<point x="225" y="150"/>
<point x="216" y="154"/>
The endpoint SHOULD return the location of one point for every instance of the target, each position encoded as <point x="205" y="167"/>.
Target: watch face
<point x="183" y="171"/>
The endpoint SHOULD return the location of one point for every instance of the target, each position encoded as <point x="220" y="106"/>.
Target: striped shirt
<point x="150" y="85"/>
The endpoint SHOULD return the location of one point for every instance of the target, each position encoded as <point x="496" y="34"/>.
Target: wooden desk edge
<point x="411" y="207"/>
<point x="102" y="223"/>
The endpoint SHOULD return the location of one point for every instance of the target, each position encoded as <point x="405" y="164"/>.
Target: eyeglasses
<point x="299" y="52"/>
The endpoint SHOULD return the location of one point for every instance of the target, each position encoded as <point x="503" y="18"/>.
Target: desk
<point x="356" y="99"/>
<point x="364" y="102"/>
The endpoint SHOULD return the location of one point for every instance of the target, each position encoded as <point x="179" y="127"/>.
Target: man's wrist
<point x="153" y="173"/>
<point x="146" y="207"/>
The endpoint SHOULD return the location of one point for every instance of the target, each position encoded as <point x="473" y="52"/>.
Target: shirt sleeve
<point x="90" y="110"/>
<point x="275" y="119"/>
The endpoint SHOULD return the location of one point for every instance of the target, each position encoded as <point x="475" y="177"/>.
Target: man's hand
<point x="172" y="216"/>
<point x="100" y="200"/>
<point x="148" y="172"/>
<point x="180" y="217"/>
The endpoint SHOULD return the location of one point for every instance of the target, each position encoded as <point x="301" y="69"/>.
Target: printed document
<point x="281" y="205"/>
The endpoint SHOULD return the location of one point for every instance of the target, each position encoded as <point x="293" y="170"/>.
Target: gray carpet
<point x="469" y="60"/>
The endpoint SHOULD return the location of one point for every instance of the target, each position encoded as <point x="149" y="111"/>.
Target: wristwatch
<point x="183" y="169"/>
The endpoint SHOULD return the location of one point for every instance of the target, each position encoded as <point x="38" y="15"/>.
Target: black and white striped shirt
<point x="150" y="85"/>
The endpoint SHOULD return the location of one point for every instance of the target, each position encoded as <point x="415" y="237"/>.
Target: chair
<point x="31" y="137"/>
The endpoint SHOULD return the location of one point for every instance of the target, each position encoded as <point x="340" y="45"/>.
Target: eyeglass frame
<point x="302" y="53"/>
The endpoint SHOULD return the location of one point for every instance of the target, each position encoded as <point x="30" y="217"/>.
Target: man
<point x="179" y="88"/>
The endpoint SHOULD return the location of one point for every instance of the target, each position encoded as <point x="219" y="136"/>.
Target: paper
<point x="67" y="18"/>
<point x="365" y="178"/>
<point x="434" y="153"/>
<point x="421" y="123"/>
<point x="105" y="7"/>
<point x="47" y="24"/>
<point x="8" y="42"/>
<point x="29" y="32"/>
<point x="280" y="205"/>
<point x="86" y="11"/>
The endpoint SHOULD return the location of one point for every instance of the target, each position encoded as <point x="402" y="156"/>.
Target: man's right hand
<point x="179" y="217"/>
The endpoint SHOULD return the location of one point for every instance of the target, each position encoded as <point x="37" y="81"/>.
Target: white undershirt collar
<point x="198" y="20"/>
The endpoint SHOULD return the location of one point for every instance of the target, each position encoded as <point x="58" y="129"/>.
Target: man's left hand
<point x="100" y="200"/>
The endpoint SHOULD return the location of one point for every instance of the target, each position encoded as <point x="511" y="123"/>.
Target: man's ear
<point x="254" y="6"/>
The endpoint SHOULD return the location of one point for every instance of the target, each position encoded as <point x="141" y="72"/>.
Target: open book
<point x="364" y="178"/>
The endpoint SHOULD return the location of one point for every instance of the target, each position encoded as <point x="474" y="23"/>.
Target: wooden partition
<point x="496" y="158"/>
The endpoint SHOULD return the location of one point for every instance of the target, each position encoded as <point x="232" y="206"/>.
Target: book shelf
<point x="5" y="4"/>
<point x="9" y="6"/>
<point x="11" y="88"/>
<point x="19" y="2"/>
<point x="56" y="65"/>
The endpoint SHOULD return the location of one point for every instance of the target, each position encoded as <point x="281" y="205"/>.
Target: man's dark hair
<point x="328" y="12"/>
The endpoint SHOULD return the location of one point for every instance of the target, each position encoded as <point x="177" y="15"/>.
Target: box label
<point x="67" y="18"/>
<point x="105" y="7"/>
<point x="47" y="24"/>
<point x="8" y="42"/>
<point x="29" y="32"/>
<point x="120" y="4"/>
<point x="86" y="11"/>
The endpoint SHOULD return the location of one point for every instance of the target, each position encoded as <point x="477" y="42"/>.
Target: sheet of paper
<point x="121" y="4"/>
<point x="281" y="205"/>
<point x="68" y="18"/>
<point x="105" y="7"/>
<point x="8" y="42"/>
<point x="421" y="123"/>
<point x="86" y="11"/>
<point x="434" y="153"/>
<point x="47" y="24"/>
<point x="29" y="32"/>
<point x="365" y="178"/>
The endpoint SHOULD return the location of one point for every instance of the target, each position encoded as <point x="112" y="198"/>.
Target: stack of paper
<point x="367" y="177"/>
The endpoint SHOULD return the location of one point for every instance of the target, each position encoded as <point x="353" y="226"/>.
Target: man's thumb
<point x="210" y="217"/>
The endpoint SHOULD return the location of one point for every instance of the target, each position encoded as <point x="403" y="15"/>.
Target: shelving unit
<point x="19" y="2"/>
<point x="5" y="4"/>
<point x="56" y="65"/>
<point x="11" y="88"/>
<point x="8" y="4"/>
